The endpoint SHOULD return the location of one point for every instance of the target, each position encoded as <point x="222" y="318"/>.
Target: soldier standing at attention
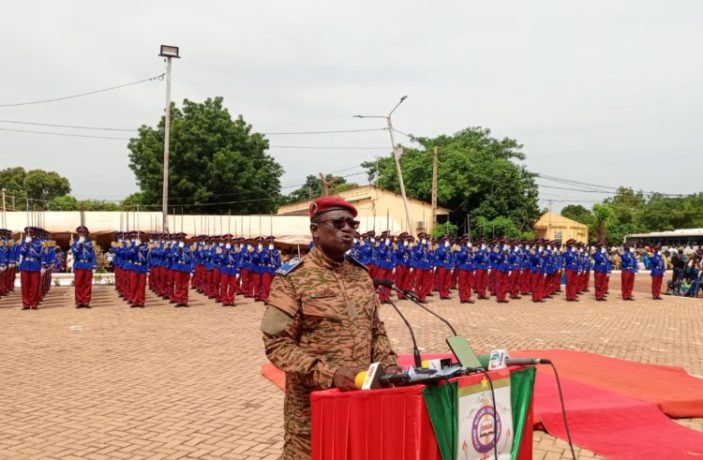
<point x="83" y="265"/>
<point x="322" y="325"/>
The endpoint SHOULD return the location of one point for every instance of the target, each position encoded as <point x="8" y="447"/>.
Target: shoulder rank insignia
<point x="356" y="261"/>
<point x="289" y="266"/>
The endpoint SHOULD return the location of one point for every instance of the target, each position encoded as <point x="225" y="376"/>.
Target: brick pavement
<point x="162" y="382"/>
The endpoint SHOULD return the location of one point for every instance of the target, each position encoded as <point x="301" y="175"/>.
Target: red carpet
<point x="614" y="406"/>
<point x="677" y="394"/>
<point x="613" y="425"/>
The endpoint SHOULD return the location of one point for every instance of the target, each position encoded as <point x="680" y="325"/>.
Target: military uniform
<point x="322" y="315"/>
<point x="83" y="265"/>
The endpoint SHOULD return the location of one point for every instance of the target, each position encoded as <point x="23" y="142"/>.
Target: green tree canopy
<point x="313" y="188"/>
<point x="477" y="175"/>
<point x="216" y="163"/>
<point x="36" y="185"/>
<point x="578" y="213"/>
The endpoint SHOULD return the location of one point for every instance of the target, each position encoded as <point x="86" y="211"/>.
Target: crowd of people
<point x="502" y="268"/>
<point x="219" y="267"/>
<point x="223" y="267"/>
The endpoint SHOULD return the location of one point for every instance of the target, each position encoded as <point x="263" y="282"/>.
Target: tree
<point x="216" y="163"/>
<point x="602" y="215"/>
<point x="63" y="203"/>
<point x="578" y="213"/>
<point x="313" y="188"/>
<point x="476" y="175"/>
<point x="38" y="186"/>
<point x="447" y="228"/>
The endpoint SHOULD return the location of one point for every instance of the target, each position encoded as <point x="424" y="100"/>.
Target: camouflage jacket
<point x="321" y="316"/>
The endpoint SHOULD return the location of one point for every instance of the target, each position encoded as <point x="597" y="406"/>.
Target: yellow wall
<point x="556" y="227"/>
<point x="372" y="201"/>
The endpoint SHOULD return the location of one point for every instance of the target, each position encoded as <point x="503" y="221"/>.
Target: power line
<point x="63" y="134"/>
<point x="53" y="125"/>
<point x="317" y="147"/>
<point x="341" y="131"/>
<point x="88" y="93"/>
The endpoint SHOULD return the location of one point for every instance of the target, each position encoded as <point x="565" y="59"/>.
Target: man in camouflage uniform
<point x="321" y="326"/>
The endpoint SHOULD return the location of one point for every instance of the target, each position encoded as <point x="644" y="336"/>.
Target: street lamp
<point x="168" y="52"/>
<point x="397" y="149"/>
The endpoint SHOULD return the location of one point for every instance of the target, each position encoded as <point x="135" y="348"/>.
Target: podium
<point x="394" y="423"/>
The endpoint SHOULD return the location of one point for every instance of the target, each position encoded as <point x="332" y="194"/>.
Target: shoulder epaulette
<point x="289" y="266"/>
<point x="356" y="261"/>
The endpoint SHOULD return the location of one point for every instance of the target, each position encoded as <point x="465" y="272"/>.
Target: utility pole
<point x="326" y="184"/>
<point x="397" y="153"/>
<point x="168" y="52"/>
<point x="435" y="161"/>
<point x="4" y="211"/>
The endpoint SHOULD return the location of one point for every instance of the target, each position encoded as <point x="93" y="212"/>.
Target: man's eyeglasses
<point x="340" y="223"/>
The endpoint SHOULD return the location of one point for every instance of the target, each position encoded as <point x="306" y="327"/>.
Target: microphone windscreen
<point x="359" y="379"/>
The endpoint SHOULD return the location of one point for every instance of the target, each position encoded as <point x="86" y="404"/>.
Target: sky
<point x="600" y="92"/>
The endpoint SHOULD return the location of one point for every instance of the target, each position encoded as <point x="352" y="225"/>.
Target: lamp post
<point x="396" y="155"/>
<point x="167" y="52"/>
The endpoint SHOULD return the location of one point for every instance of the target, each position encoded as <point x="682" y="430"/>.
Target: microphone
<point x="499" y="359"/>
<point x="416" y="351"/>
<point x="375" y="377"/>
<point x="411" y="295"/>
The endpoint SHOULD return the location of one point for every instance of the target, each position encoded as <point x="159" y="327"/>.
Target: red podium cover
<point x="385" y="424"/>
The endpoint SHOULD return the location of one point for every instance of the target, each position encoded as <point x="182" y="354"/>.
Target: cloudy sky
<point x="602" y="92"/>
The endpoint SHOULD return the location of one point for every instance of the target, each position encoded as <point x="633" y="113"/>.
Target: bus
<point x="683" y="237"/>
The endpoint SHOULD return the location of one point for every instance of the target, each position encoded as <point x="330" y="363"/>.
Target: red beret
<point x="330" y="203"/>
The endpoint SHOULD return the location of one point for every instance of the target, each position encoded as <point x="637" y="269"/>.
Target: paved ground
<point x="115" y="382"/>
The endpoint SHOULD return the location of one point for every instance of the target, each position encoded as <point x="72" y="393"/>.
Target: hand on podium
<point x="343" y="378"/>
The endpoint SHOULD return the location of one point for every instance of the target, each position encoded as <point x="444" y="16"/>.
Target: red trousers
<point x="265" y="286"/>
<point x="571" y="284"/>
<point x="514" y="284"/>
<point x="537" y="286"/>
<point x="501" y="285"/>
<point x="266" y="280"/>
<point x="657" y="286"/>
<point x="83" y="284"/>
<point x="465" y="282"/>
<point x="4" y="281"/>
<point x="228" y="288"/>
<point x="492" y="281"/>
<point x="600" y="281"/>
<point x="400" y="277"/>
<point x="215" y="292"/>
<point x="481" y="281"/>
<point x="254" y="285"/>
<point x="444" y="281"/>
<point x="384" y="274"/>
<point x="30" y="288"/>
<point x="138" y="289"/>
<point x="627" y="280"/>
<point x="423" y="283"/>
<point x="525" y="281"/>
<point x="180" y="287"/>
<point x="243" y="282"/>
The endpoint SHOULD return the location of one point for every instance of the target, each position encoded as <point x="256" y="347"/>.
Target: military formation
<point x="503" y="268"/>
<point x="33" y="255"/>
<point x="220" y="267"/>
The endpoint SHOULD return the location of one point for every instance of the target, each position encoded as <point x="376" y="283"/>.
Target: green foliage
<point x="578" y="213"/>
<point x="447" y="228"/>
<point x="216" y="163"/>
<point x="630" y="212"/>
<point x="499" y="227"/>
<point x="36" y="185"/>
<point x="70" y="203"/>
<point x="476" y="176"/>
<point x="313" y="188"/>
<point x="63" y="203"/>
<point x="133" y="200"/>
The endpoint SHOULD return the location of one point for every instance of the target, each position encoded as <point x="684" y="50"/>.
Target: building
<point x="379" y="209"/>
<point x="558" y="228"/>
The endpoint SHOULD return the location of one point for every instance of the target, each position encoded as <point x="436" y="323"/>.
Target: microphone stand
<point x="416" y="351"/>
<point x="411" y="295"/>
